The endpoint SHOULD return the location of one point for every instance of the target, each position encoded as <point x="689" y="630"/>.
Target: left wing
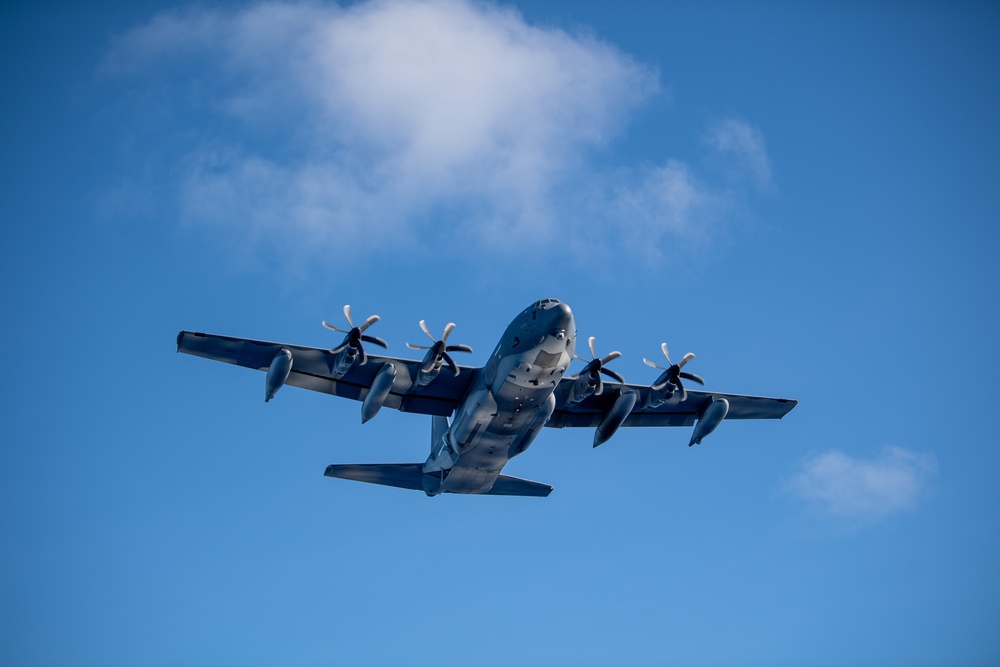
<point x="673" y="412"/>
<point x="311" y="370"/>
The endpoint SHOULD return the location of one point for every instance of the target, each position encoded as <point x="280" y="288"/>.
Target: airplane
<point x="481" y="417"/>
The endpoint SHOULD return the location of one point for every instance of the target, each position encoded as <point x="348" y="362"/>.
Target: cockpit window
<point x="547" y="303"/>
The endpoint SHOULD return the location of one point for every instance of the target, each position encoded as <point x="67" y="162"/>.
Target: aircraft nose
<point x="562" y="319"/>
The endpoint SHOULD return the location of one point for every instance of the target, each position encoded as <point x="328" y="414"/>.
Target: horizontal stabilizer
<point x="412" y="476"/>
<point x="515" y="486"/>
<point x="401" y="475"/>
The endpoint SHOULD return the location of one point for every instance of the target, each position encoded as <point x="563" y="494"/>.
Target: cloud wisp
<point x="402" y="122"/>
<point x="865" y="489"/>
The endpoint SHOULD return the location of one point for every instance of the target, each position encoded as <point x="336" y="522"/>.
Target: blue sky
<point x="805" y="196"/>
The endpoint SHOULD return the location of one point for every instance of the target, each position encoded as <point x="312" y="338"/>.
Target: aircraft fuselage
<point x="507" y="403"/>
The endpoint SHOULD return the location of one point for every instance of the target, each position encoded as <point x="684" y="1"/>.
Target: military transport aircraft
<point x="498" y="409"/>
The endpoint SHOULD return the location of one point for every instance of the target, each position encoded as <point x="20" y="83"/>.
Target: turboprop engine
<point x="669" y="381"/>
<point x="588" y="381"/>
<point x="709" y="419"/>
<point x="582" y="387"/>
<point x="277" y="373"/>
<point x="352" y="348"/>
<point x="437" y="354"/>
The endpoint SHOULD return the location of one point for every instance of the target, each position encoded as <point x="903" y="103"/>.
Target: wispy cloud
<point x="420" y="122"/>
<point x="745" y="146"/>
<point x="865" y="488"/>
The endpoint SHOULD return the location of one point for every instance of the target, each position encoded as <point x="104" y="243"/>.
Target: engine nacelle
<point x="612" y="420"/>
<point x="582" y="387"/>
<point x="431" y="365"/>
<point x="277" y="373"/>
<point x="710" y="418"/>
<point x="657" y="397"/>
<point x="378" y="392"/>
<point x="343" y="361"/>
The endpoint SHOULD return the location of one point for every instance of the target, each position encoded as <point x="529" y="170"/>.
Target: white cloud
<point x="866" y="489"/>
<point x="665" y="200"/>
<point x="401" y="120"/>
<point x="746" y="147"/>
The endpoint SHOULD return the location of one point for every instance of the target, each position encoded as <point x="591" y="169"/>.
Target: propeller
<point x="356" y="335"/>
<point x="595" y="367"/>
<point x="674" y="373"/>
<point x="440" y="349"/>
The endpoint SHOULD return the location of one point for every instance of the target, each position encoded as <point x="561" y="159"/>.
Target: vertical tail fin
<point x="443" y="453"/>
<point x="439" y="426"/>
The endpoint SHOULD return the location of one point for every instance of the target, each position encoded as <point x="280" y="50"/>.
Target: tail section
<point x="400" y="475"/>
<point x="515" y="486"/>
<point x="439" y="426"/>
<point x="412" y="476"/>
<point x="444" y="453"/>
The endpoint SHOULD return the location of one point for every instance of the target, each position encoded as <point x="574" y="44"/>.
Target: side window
<point x="516" y="342"/>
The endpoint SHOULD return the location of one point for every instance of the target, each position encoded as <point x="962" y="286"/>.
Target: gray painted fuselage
<point x="507" y="403"/>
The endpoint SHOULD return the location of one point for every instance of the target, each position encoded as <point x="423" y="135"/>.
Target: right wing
<point x="311" y="370"/>
<point x="674" y="412"/>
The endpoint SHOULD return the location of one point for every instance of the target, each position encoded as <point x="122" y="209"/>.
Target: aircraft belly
<point x="486" y="451"/>
<point x="479" y="464"/>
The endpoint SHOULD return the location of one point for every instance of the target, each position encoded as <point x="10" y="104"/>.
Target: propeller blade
<point x="338" y="350"/>
<point x="375" y="340"/>
<point x="418" y="347"/>
<point x="611" y="374"/>
<point x="458" y="348"/>
<point x="370" y="321"/>
<point x="674" y="373"/>
<point x="613" y="355"/>
<point x="447" y="330"/>
<point x="347" y="314"/>
<point x="451" y="363"/>
<point x="423" y="327"/>
<point x="693" y="378"/>
<point x="590" y="342"/>
<point x="333" y="328"/>
<point x="600" y="385"/>
<point x="363" y="358"/>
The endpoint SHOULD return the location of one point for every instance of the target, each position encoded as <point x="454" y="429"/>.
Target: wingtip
<point x="792" y="403"/>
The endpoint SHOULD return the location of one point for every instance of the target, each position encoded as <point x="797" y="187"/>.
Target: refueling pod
<point x="612" y="420"/>
<point x="277" y="373"/>
<point x="709" y="420"/>
<point x="378" y="392"/>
